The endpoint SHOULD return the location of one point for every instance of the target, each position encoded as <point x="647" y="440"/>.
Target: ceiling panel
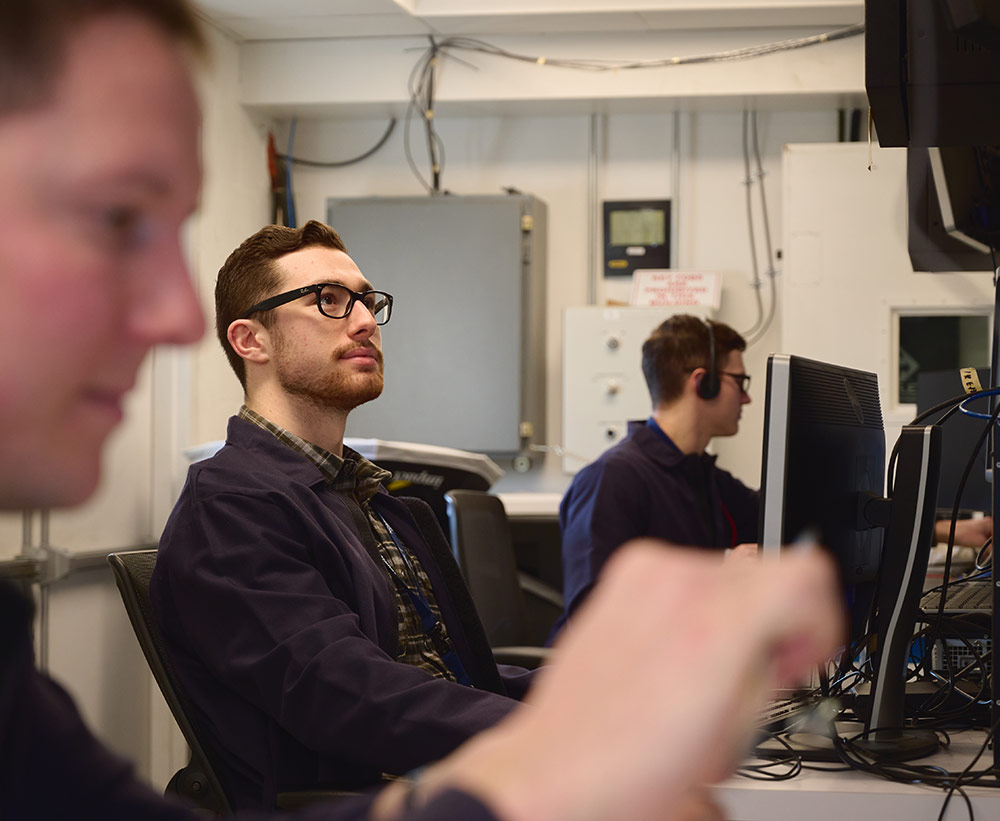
<point x="278" y="9"/>
<point x="436" y="8"/>
<point x="536" y="23"/>
<point x="326" y="26"/>
<point x="280" y="19"/>
<point x="774" y="17"/>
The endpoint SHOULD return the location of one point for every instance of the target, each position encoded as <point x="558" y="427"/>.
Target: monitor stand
<point x="807" y="746"/>
<point x="904" y="565"/>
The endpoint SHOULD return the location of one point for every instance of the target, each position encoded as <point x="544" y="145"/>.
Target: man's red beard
<point x="334" y="388"/>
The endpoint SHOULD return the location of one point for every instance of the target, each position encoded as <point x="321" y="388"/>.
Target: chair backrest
<point x="480" y="663"/>
<point x="483" y="544"/>
<point x="197" y="782"/>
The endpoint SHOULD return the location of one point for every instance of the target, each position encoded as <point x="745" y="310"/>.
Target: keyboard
<point x="782" y="711"/>
<point x="963" y="597"/>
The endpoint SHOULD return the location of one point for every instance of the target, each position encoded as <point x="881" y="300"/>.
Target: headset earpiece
<point x="709" y="386"/>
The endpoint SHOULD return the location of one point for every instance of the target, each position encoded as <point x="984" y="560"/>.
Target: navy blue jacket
<point x="282" y="628"/>
<point x="51" y="766"/>
<point x="645" y="486"/>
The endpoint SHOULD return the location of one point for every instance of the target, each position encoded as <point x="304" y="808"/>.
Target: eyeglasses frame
<point x="298" y="293"/>
<point x="742" y="380"/>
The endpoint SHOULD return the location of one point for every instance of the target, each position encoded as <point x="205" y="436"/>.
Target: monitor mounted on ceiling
<point x="932" y="71"/>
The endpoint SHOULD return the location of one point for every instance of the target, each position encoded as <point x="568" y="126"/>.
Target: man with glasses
<point x="309" y="615"/>
<point x="659" y="481"/>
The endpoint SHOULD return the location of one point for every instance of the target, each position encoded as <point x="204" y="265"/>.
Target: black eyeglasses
<point x="742" y="379"/>
<point x="333" y="300"/>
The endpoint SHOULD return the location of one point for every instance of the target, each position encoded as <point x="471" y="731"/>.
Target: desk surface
<point x="855" y="796"/>
<point x="531" y="505"/>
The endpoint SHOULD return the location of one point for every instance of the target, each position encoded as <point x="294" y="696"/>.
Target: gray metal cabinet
<point x="465" y="349"/>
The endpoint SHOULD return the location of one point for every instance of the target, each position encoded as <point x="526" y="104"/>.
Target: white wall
<point x="716" y="236"/>
<point x="11" y="530"/>
<point x="847" y="272"/>
<point x="548" y="157"/>
<point x="365" y="76"/>
<point x="234" y="204"/>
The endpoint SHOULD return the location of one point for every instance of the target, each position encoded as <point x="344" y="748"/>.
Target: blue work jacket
<point x="282" y="628"/>
<point x="645" y="486"/>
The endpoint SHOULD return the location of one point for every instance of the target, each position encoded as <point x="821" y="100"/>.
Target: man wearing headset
<point x="659" y="481"/>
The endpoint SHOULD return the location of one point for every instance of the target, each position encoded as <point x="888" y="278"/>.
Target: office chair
<point x="197" y="782"/>
<point x="483" y="545"/>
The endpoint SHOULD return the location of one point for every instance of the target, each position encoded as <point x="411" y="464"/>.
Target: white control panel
<point x="603" y="385"/>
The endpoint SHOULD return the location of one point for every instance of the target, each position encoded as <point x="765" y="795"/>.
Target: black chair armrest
<point x="543" y="605"/>
<point x="528" y="657"/>
<point x="194" y="784"/>
<point x="540" y="590"/>
<point x="297" y="799"/>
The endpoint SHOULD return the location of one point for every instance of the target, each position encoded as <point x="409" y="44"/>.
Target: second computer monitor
<point x="823" y="459"/>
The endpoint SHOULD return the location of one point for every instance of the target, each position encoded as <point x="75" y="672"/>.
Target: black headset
<point x="709" y="386"/>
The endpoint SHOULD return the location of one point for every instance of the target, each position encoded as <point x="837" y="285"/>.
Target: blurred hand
<point x="655" y="687"/>
<point x="968" y="532"/>
<point x="698" y="805"/>
<point x="742" y="552"/>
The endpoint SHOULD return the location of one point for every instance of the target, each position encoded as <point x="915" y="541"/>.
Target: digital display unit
<point x="636" y="236"/>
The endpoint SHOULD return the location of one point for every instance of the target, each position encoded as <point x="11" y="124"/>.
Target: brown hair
<point x="251" y="275"/>
<point x="34" y="35"/>
<point x="679" y="346"/>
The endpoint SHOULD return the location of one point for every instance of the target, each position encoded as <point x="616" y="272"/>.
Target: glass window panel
<point x="937" y="343"/>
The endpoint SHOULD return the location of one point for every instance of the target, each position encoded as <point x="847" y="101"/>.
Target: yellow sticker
<point x="970" y="380"/>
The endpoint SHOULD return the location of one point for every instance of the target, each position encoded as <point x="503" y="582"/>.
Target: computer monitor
<point x="909" y="532"/>
<point x="931" y="239"/>
<point x="824" y="453"/>
<point x="823" y="477"/>
<point x="932" y="72"/>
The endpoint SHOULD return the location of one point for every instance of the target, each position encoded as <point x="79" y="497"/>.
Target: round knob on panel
<point x="614" y="343"/>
